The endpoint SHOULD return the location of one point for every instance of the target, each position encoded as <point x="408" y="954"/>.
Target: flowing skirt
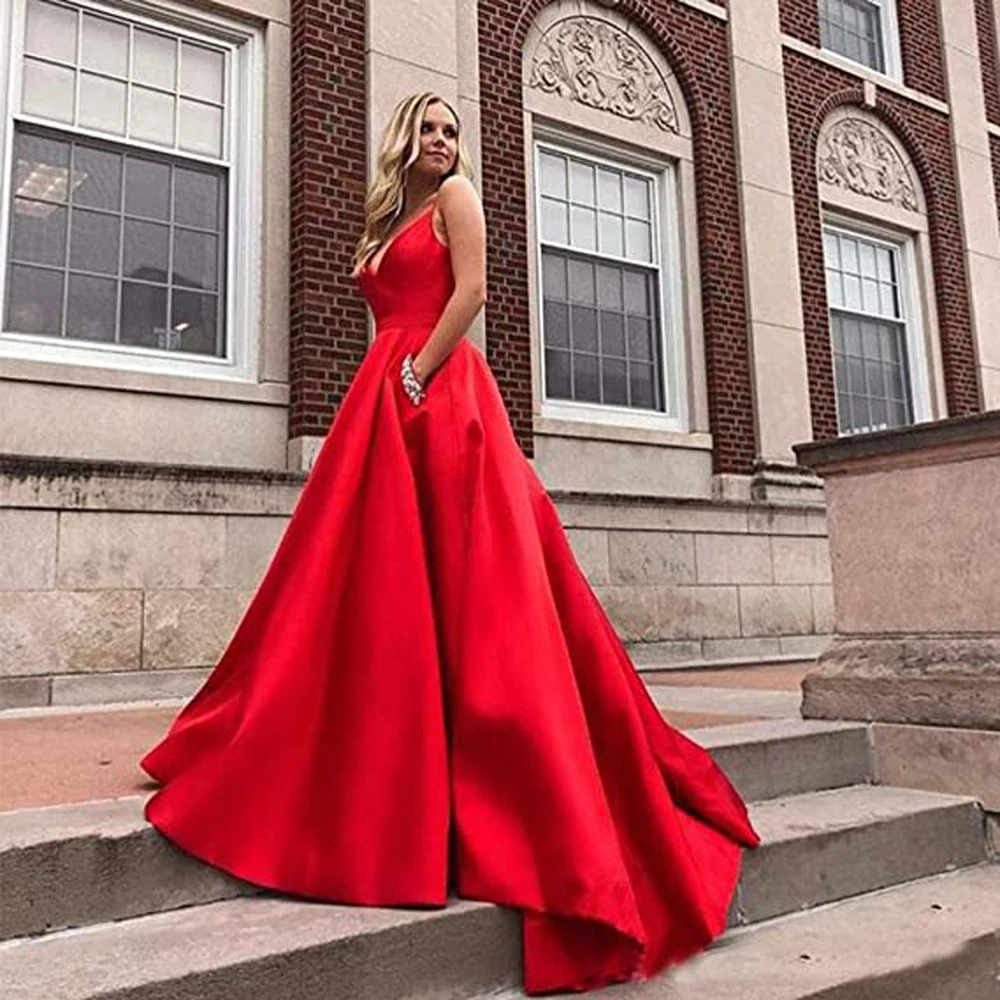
<point x="425" y="690"/>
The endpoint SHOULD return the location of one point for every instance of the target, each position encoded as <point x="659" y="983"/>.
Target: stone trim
<point x="939" y="680"/>
<point x="953" y="439"/>
<point x="863" y="73"/>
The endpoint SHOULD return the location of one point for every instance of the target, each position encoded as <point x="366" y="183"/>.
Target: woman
<point x="424" y="684"/>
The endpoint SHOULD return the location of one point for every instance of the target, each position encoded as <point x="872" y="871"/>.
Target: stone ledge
<point x="940" y="680"/>
<point x="949" y="440"/>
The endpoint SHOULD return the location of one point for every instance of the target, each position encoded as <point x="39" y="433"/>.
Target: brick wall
<point x="695" y="44"/>
<point x="328" y="335"/>
<point x="988" y="58"/>
<point x="919" y="38"/>
<point x="813" y="90"/>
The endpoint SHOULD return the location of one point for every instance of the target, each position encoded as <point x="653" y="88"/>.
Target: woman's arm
<point x="463" y="218"/>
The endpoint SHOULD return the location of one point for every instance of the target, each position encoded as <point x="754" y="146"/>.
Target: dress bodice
<point x="413" y="280"/>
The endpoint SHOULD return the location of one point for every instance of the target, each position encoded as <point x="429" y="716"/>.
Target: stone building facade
<point x="715" y="230"/>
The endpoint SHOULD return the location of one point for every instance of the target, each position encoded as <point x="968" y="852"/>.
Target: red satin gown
<point x="425" y="666"/>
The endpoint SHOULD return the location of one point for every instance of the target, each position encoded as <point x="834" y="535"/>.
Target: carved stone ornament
<point x="595" y="63"/>
<point x="855" y="155"/>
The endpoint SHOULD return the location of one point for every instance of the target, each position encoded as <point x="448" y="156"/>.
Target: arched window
<point x="617" y="336"/>
<point x="879" y="277"/>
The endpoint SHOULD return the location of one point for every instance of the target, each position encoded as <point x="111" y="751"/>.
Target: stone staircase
<point x="859" y="892"/>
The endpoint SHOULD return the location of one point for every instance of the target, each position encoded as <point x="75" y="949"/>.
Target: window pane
<point x="144" y="315"/>
<point x="102" y="104"/>
<point x="612" y="334"/>
<point x="197" y="199"/>
<point x="852" y="292"/>
<point x="155" y="62"/>
<point x="612" y="239"/>
<point x="94" y="242"/>
<point x="90" y="308"/>
<point x="553" y="171"/>
<point x="145" y="251"/>
<point x="553" y="276"/>
<point x="642" y="385"/>
<point x="581" y="183"/>
<point x="615" y="379"/>
<point x="152" y="116"/>
<point x="97" y="178"/>
<point x="201" y="72"/>
<point x="638" y="242"/>
<point x="581" y="282"/>
<point x="41" y="168"/>
<point x="587" y="387"/>
<point x="555" y="221"/>
<point x="196" y="259"/>
<point x="34" y="300"/>
<point x="105" y="46"/>
<point x="556" y="324"/>
<point x="609" y="287"/>
<point x="609" y="190"/>
<point x="200" y="128"/>
<point x="39" y="232"/>
<point x="50" y="31"/>
<point x="637" y="198"/>
<point x="866" y="258"/>
<point x="147" y="188"/>
<point x="583" y="324"/>
<point x="636" y="297"/>
<point x="557" y="375"/>
<point x="640" y="344"/>
<point x="193" y="316"/>
<point x="47" y="91"/>
<point x="583" y="228"/>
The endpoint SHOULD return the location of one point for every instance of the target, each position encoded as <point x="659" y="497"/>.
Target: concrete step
<point x="936" y="939"/>
<point x="264" y="948"/>
<point x="67" y="866"/>
<point x="824" y="846"/>
<point x="772" y="758"/>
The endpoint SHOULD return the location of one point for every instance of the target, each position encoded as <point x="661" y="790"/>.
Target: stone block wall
<point x="124" y="582"/>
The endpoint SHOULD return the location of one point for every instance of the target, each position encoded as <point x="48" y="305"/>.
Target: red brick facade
<point x="696" y="46"/>
<point x="988" y="58"/>
<point x="813" y="89"/>
<point x="328" y="331"/>
<point x="328" y="167"/>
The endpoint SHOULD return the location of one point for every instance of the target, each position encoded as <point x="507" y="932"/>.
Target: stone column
<point x="770" y="247"/>
<point x="976" y="193"/>
<point x="915" y="554"/>
<point x="425" y="46"/>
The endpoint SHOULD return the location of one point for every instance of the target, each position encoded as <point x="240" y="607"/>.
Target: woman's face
<point x="438" y="141"/>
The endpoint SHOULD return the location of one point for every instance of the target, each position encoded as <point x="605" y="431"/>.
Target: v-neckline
<point x="384" y="250"/>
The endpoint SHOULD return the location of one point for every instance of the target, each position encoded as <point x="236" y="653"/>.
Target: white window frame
<point x="889" y="21"/>
<point x="242" y="156"/>
<point x="667" y="256"/>
<point x="911" y="317"/>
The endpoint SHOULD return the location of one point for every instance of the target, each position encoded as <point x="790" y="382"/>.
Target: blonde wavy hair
<point x="400" y="148"/>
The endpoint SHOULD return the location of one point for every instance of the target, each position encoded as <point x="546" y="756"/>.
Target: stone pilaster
<point x="780" y="383"/>
<point x="976" y="193"/>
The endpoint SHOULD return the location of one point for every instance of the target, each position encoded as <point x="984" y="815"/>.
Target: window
<point x="869" y="331"/>
<point x="122" y="183"/>
<point x="863" y="31"/>
<point x="602" y="288"/>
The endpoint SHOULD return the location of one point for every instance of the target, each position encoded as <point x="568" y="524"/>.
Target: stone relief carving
<point x="595" y="63"/>
<point x="856" y="155"/>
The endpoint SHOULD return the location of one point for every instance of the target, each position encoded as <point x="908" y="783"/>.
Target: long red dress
<point x="424" y="663"/>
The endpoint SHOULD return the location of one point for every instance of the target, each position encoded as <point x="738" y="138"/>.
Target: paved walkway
<point x="57" y="756"/>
